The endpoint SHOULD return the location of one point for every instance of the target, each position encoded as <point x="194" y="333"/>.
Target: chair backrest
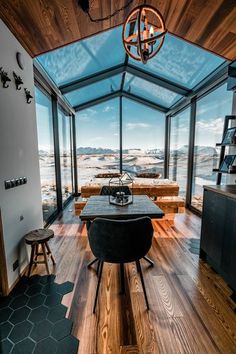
<point x="120" y="241"/>
<point x="112" y="190"/>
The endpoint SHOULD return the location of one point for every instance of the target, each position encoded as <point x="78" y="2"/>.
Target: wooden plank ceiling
<point x="43" y="25"/>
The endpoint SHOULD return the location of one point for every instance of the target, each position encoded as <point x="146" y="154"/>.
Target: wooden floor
<point x="190" y="306"/>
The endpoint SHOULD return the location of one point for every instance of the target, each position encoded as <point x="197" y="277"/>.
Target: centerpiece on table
<point x="121" y="190"/>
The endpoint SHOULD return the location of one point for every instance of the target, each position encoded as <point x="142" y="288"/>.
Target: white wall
<point x="18" y="155"/>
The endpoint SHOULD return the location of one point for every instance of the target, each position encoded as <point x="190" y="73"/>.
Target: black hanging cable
<point x="106" y="17"/>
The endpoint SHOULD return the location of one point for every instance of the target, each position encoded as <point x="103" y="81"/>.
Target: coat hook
<point x="28" y="96"/>
<point x="4" y="78"/>
<point x="18" y="81"/>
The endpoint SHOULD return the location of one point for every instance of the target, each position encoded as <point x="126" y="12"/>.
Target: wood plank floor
<point x="190" y="306"/>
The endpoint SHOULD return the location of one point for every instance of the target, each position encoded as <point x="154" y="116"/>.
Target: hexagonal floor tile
<point x="5" y="313"/>
<point x="65" y="288"/>
<point x="6" y="328"/>
<point x="5" y="301"/>
<point x="61" y="329"/>
<point x="47" y="279"/>
<point x="57" y="313"/>
<point x="18" y="302"/>
<point x="53" y="300"/>
<point x="69" y="344"/>
<point x="20" y="331"/>
<point x="19" y="289"/>
<point x="26" y="346"/>
<point x="34" y="279"/>
<point x="20" y="315"/>
<point x="41" y="330"/>
<point x="47" y="346"/>
<point x="50" y="289"/>
<point x="38" y="314"/>
<point x="34" y="289"/>
<point x="36" y="301"/>
<point x="5" y="346"/>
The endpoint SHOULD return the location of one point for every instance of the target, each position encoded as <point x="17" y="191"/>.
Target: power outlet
<point x="15" y="265"/>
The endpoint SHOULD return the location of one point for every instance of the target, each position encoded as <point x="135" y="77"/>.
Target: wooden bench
<point x="171" y="204"/>
<point x="158" y="190"/>
<point x="79" y="204"/>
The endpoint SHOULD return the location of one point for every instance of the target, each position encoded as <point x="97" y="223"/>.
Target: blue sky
<point x="143" y="127"/>
<point x="98" y="126"/>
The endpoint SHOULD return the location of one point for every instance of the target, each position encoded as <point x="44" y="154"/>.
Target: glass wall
<point x="65" y="148"/>
<point x="179" y="146"/>
<point x="97" y="141"/>
<point x="143" y="139"/>
<point x="46" y="153"/>
<point x="210" y="115"/>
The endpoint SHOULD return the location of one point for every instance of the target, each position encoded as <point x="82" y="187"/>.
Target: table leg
<point x="122" y="278"/>
<point x="88" y="224"/>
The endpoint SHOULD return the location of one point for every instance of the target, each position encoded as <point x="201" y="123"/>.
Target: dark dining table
<point x="99" y="206"/>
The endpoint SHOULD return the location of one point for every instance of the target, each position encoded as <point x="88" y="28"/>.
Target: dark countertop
<point x="227" y="190"/>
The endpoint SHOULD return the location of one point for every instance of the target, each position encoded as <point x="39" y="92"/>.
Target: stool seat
<point x="36" y="238"/>
<point x="39" y="236"/>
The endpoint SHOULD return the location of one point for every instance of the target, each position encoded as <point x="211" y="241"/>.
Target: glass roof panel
<point x="150" y="91"/>
<point x="85" y="57"/>
<point x="181" y="62"/>
<point x="93" y="91"/>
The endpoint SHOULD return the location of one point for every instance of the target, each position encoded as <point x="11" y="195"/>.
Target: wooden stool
<point x="36" y="238"/>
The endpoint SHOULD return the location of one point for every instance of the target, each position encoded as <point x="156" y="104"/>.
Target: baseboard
<point x="17" y="279"/>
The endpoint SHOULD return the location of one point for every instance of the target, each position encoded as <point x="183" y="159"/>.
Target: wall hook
<point x="4" y="78"/>
<point x="28" y="96"/>
<point x="18" y="81"/>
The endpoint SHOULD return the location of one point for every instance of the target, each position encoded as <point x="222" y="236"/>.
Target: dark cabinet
<point x="218" y="234"/>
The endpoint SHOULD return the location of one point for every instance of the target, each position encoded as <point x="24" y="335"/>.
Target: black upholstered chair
<point x="112" y="190"/>
<point x="120" y="241"/>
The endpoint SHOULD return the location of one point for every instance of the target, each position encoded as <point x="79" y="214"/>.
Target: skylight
<point x="93" y="91"/>
<point x="147" y="90"/>
<point x="85" y="57"/>
<point x="180" y="63"/>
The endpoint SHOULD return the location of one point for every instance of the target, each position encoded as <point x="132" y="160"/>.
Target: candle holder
<point x="121" y="188"/>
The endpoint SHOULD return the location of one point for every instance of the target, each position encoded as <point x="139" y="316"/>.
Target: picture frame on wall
<point x="229" y="136"/>
<point x="227" y="163"/>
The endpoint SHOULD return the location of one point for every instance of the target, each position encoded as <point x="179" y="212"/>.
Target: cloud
<point x="97" y="138"/>
<point x="85" y="116"/>
<point x="213" y="125"/>
<point x="132" y="126"/>
<point x="107" y="109"/>
<point x="115" y="134"/>
<point x="114" y="125"/>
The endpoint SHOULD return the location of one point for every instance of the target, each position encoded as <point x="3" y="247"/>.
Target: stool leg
<point x="31" y="258"/>
<point x="36" y="253"/>
<point x="45" y="257"/>
<point x="50" y="253"/>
